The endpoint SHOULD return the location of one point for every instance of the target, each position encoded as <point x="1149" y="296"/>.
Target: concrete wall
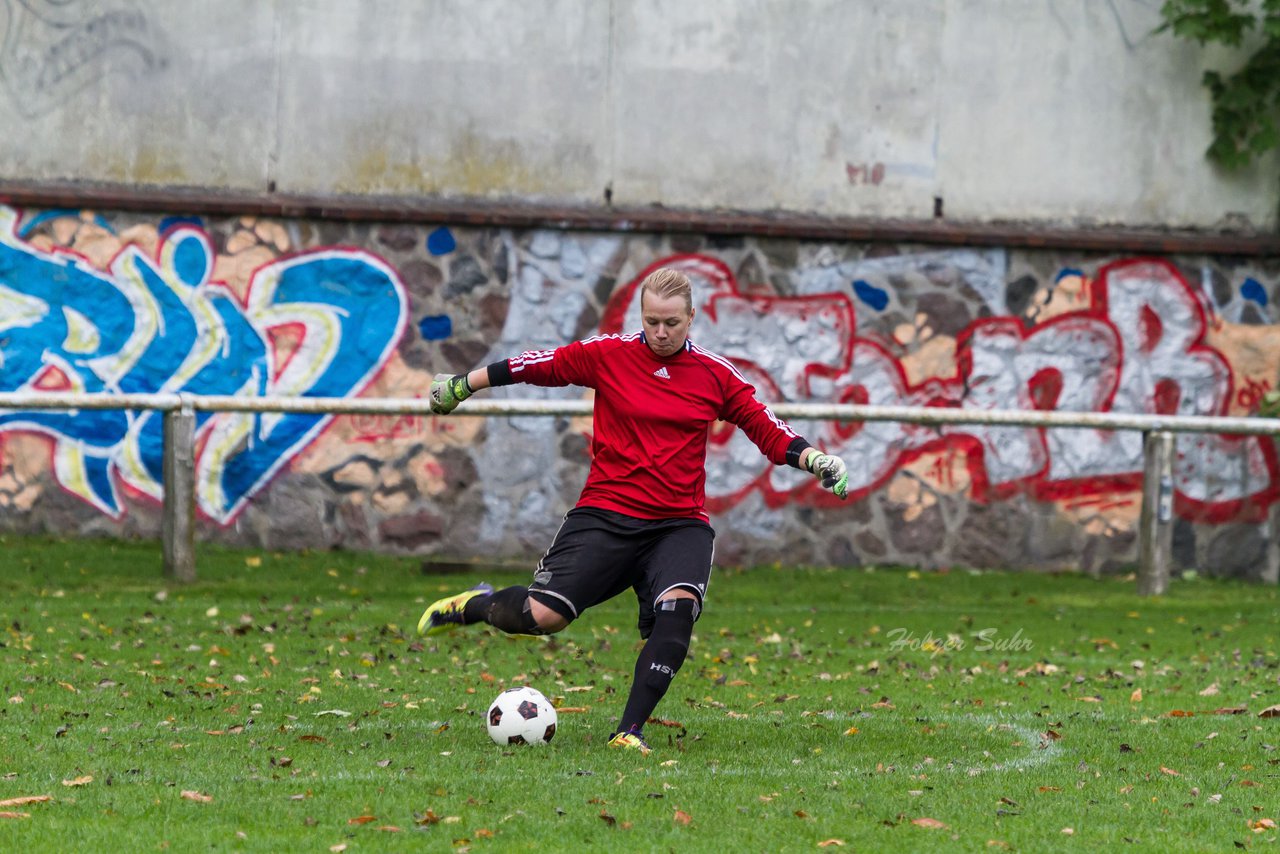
<point x="1056" y="112"/>
<point x="103" y="301"/>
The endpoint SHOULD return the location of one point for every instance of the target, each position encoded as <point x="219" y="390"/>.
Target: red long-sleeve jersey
<point x="652" y="421"/>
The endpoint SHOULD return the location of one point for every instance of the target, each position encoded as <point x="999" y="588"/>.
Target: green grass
<point x="799" y="719"/>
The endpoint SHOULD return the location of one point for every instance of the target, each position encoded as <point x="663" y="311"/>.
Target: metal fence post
<point x="1271" y="568"/>
<point x="179" y="514"/>
<point x="1155" y="527"/>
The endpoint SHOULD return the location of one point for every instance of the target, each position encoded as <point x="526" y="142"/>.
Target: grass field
<point x="284" y="703"/>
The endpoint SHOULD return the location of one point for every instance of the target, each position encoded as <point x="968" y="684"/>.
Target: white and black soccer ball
<point x="521" y="716"/>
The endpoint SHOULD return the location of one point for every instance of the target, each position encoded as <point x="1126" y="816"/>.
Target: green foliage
<point x="1270" y="405"/>
<point x="281" y="704"/>
<point x="1246" y="102"/>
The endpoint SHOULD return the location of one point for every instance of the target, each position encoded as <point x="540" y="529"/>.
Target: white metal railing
<point x="1155" y="523"/>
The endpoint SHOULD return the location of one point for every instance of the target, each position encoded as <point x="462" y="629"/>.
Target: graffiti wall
<point x="121" y="303"/>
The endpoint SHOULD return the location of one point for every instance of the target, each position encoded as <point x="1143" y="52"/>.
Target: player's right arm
<point x="572" y="364"/>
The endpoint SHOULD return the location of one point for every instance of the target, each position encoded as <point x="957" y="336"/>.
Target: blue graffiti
<point x="1252" y="289"/>
<point x="162" y="325"/>
<point x="39" y="219"/>
<point x="170" y="222"/>
<point x="441" y="242"/>
<point x="436" y="327"/>
<point x="870" y="294"/>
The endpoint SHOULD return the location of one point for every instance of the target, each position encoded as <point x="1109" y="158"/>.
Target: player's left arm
<point x="778" y="441"/>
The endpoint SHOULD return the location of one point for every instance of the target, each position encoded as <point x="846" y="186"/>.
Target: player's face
<point x="666" y="322"/>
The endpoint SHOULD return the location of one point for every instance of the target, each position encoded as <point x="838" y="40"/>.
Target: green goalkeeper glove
<point x="447" y="391"/>
<point x="832" y="471"/>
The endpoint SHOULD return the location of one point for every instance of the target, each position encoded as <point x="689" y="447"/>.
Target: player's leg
<point x="678" y="568"/>
<point x="584" y="556"/>
<point x="510" y="610"/>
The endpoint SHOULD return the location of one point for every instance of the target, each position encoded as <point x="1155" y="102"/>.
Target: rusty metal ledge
<point x="519" y="214"/>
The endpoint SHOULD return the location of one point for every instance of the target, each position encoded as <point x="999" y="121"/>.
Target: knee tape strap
<point x="509" y="611"/>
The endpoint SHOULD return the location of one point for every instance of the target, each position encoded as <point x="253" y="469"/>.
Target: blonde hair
<point x="666" y="282"/>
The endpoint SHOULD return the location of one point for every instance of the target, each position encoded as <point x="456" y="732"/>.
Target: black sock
<point x="506" y="610"/>
<point x="659" y="661"/>
<point x="476" y="607"/>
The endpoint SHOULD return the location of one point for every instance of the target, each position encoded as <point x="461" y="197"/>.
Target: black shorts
<point x="597" y="554"/>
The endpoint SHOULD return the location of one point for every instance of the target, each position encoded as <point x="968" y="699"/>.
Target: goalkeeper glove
<point x="832" y="471"/>
<point x="448" y="391"/>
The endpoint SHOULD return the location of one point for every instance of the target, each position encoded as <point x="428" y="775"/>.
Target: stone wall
<point x="1049" y="113"/>
<point x="103" y="301"/>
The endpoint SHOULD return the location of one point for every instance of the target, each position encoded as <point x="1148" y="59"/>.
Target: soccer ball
<point x="521" y="716"/>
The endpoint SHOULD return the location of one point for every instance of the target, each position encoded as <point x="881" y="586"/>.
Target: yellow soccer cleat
<point x="631" y="740"/>
<point x="443" y="614"/>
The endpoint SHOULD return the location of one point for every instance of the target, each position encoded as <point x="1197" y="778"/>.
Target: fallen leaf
<point x="681" y="817"/>
<point x="27" y="799"/>
<point x="1050" y="789"/>
<point x="79" y="781"/>
<point x="572" y="710"/>
<point x="7" y="814"/>
<point x="484" y="833"/>
<point x="801" y="814"/>
<point x="1270" y="712"/>
<point x="1262" y="824"/>
<point x="1169" y="771"/>
<point x="608" y="819"/>
<point x="827" y="843"/>
<point x="362" y="819"/>
<point x="661" y="722"/>
<point x="426" y="818"/>
<point x="391" y="828"/>
<point x="337" y="713"/>
<point x="1068" y="831"/>
<point x="1210" y="691"/>
<point x="198" y="797"/>
<point x="853" y="730"/>
<point x="1179" y="713"/>
<point x="1230" y="710"/>
<point x="925" y="821"/>
<point x="341" y="846"/>
<point x="312" y="738"/>
<point x="1136" y="696"/>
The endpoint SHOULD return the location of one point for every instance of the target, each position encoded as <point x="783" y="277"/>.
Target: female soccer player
<point x="640" y="522"/>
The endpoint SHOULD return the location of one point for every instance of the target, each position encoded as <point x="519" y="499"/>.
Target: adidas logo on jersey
<point x="662" y="372"/>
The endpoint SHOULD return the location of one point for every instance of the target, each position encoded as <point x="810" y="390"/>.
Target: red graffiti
<point x="1138" y="345"/>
